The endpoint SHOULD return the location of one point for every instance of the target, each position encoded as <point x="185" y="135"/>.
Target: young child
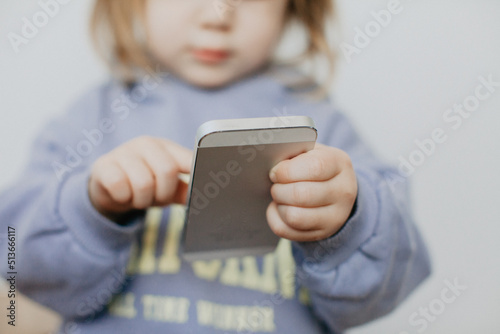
<point x="89" y="249"/>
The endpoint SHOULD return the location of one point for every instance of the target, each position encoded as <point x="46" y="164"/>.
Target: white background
<point x="396" y="90"/>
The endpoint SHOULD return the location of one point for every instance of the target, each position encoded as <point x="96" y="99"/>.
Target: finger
<point x="180" y="196"/>
<point x="319" y="164"/>
<point x="114" y="181"/>
<point x="305" y="219"/>
<point x="141" y="180"/>
<point x="283" y="230"/>
<point x="182" y="156"/>
<point x="304" y="194"/>
<point x="345" y="188"/>
<point x="164" y="169"/>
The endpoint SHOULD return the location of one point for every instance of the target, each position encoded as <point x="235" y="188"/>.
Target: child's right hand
<point x="141" y="173"/>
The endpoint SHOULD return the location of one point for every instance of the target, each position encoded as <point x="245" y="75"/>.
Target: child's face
<point x="209" y="44"/>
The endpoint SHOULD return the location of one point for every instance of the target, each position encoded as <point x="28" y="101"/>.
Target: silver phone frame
<point x="233" y="132"/>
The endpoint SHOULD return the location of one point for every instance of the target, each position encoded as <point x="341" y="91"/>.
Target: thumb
<point x="181" y="192"/>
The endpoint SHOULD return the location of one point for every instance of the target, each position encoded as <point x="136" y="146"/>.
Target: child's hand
<point x="137" y="175"/>
<point x="313" y="194"/>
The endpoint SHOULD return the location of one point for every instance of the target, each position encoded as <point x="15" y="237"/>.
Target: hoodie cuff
<point x="95" y="232"/>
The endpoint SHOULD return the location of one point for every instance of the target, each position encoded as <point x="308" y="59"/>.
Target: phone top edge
<point x="252" y="124"/>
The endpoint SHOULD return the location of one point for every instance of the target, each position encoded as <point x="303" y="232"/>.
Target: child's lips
<point x="211" y="56"/>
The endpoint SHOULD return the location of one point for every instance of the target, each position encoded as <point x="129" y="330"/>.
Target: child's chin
<point x="210" y="80"/>
<point x="210" y="84"/>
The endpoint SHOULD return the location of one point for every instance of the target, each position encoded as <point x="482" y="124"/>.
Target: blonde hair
<point x="118" y="32"/>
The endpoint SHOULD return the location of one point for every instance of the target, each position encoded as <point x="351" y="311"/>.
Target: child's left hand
<point x="313" y="194"/>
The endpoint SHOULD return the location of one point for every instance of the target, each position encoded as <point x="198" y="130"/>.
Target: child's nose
<point x="213" y="16"/>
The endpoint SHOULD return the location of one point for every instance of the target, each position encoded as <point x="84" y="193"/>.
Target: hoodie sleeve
<point x="378" y="257"/>
<point x="64" y="246"/>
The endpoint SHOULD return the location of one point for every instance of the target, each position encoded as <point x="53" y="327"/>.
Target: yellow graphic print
<point x="164" y="308"/>
<point x="239" y="318"/>
<point x="276" y="277"/>
<point x="123" y="306"/>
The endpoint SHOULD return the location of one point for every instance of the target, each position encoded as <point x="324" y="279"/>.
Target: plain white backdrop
<point x="396" y="90"/>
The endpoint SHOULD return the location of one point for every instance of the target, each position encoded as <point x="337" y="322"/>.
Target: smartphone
<point x="230" y="189"/>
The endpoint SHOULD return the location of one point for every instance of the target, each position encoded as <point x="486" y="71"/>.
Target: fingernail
<point x="272" y="174"/>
